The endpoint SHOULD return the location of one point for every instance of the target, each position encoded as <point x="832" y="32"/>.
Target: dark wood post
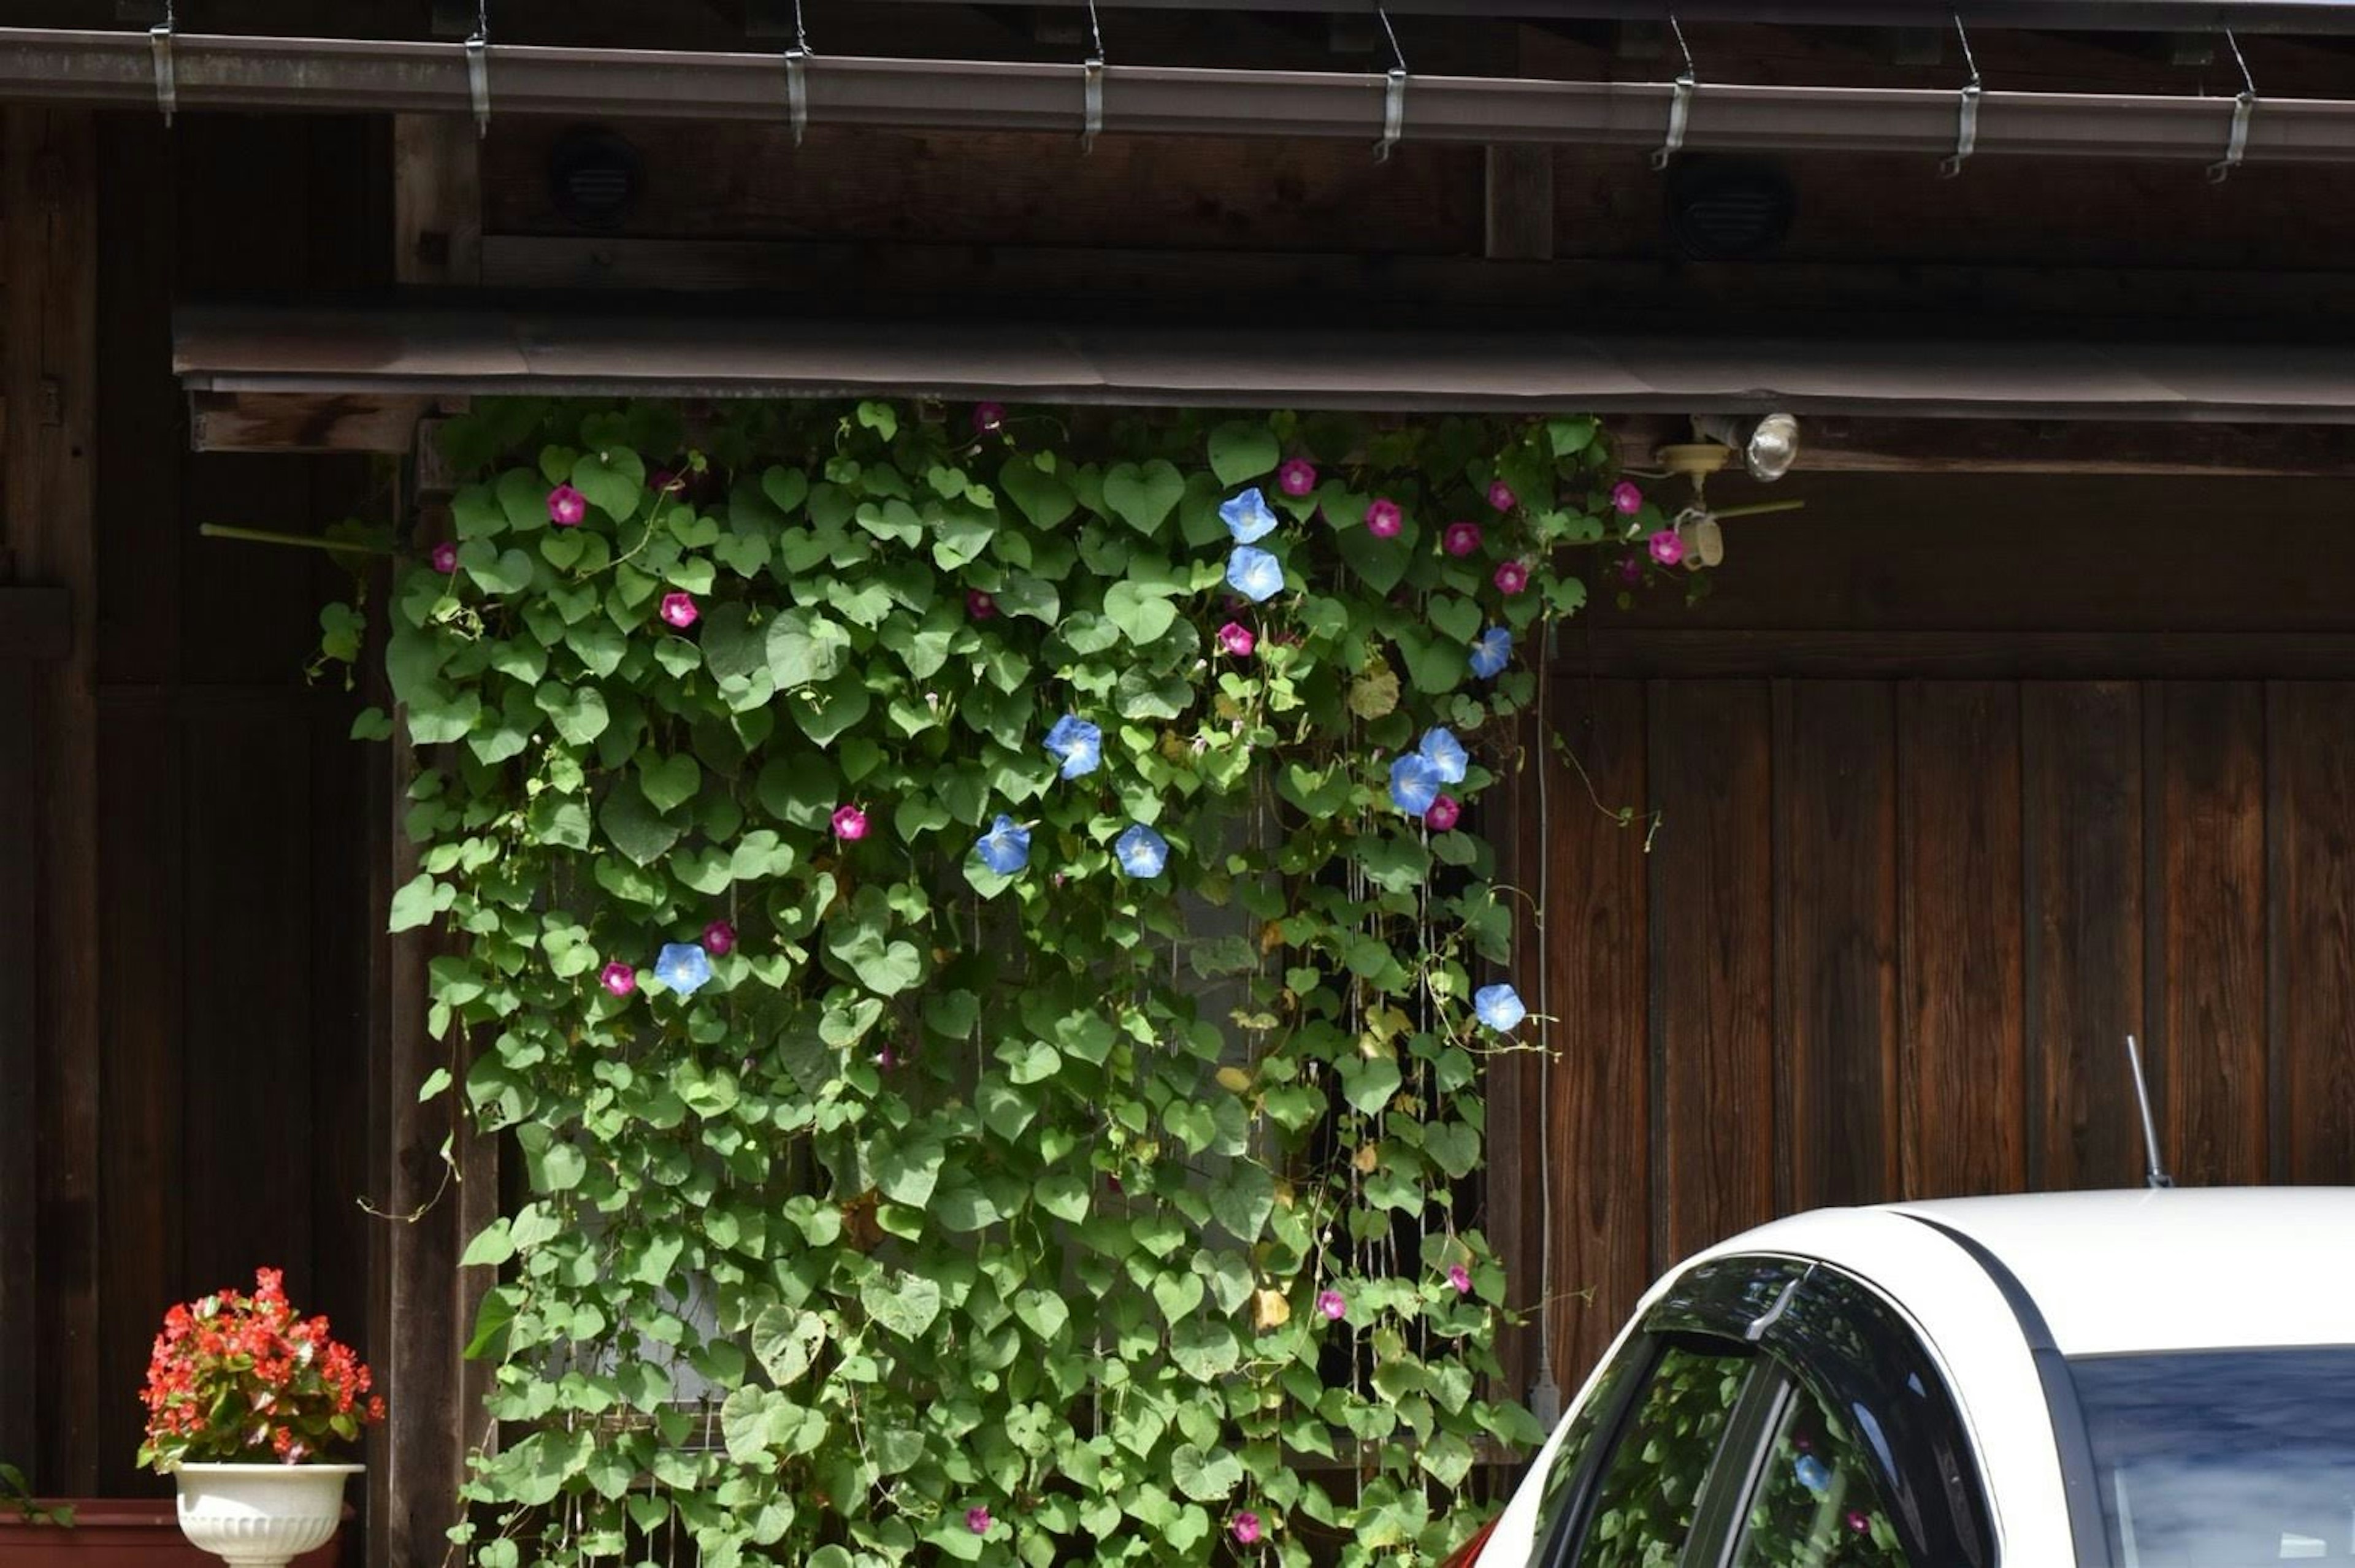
<point x="48" y="196"/>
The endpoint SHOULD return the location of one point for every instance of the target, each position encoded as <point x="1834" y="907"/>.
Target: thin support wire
<point x="1545" y="1394"/>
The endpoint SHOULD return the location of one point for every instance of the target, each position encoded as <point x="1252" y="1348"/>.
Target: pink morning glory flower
<point x="1858" y="1521"/>
<point x="987" y="417"/>
<point x="1460" y="538"/>
<point x="1332" y="1305"/>
<point x="1512" y="577"/>
<point x="850" y="823"/>
<point x="678" y="610"/>
<point x="1296" y="476"/>
<point x="1443" y="813"/>
<point x="1501" y="496"/>
<point x="1245" y="1527"/>
<point x="567" y="507"/>
<point x="445" y="558"/>
<point x="1667" y="547"/>
<point x="719" y="938"/>
<point x="1631" y="571"/>
<point x="1384" y="518"/>
<point x="1460" y="1278"/>
<point x="979" y="605"/>
<point x="976" y="1519"/>
<point x="618" y="978"/>
<point x="1626" y="499"/>
<point x="1237" y="639"/>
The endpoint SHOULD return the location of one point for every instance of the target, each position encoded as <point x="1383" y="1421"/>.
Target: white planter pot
<point x="260" y="1516"/>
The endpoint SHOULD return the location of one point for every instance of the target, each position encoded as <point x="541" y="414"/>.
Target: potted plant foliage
<point x="244" y="1398"/>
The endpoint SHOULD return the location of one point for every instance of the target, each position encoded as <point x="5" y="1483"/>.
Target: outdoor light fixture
<point x="1769" y="444"/>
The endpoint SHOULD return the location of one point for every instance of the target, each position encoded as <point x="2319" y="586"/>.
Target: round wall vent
<point x="1729" y="209"/>
<point x="592" y="176"/>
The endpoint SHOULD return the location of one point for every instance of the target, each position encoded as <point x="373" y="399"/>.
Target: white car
<point x="2159" y="1378"/>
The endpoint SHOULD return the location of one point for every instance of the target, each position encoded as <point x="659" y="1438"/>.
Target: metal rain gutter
<point x="218" y="71"/>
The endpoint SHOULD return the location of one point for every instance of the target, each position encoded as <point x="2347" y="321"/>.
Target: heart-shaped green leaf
<point x="1044" y="499"/>
<point x="1144" y="497"/>
<point x="1240" y="450"/>
<point x="669" y="781"/>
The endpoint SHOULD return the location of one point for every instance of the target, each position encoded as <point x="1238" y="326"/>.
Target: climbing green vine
<point x="967" y="919"/>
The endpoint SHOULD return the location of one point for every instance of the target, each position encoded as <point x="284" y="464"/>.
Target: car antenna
<point x="2157" y="1176"/>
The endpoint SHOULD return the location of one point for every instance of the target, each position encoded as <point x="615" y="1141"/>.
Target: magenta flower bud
<point x="1667" y="547"/>
<point x="1501" y="496"/>
<point x="678" y="610"/>
<point x="1626" y="499"/>
<point x="979" y="605"/>
<point x="1445" y="813"/>
<point x="1859" y="1521"/>
<point x="567" y="507"/>
<point x="1460" y="1278"/>
<point x="1384" y="518"/>
<point x="1512" y="577"/>
<point x="1332" y="1305"/>
<point x="850" y="823"/>
<point x="987" y="417"/>
<point x="445" y="558"/>
<point x="1296" y="476"/>
<point x="1245" y="1527"/>
<point x="1460" y="538"/>
<point x="885" y="1060"/>
<point x="1631" y="571"/>
<point x="978" y="1520"/>
<point x="663" y="482"/>
<point x="1237" y="639"/>
<point x="618" y="978"/>
<point x="720" y="939"/>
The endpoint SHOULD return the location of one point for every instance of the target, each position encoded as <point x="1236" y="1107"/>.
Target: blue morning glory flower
<point x="1414" y="783"/>
<point x="1005" y="847"/>
<point x="1491" y="653"/>
<point x="1254" y="573"/>
<point x="683" y="967"/>
<point x="1813" y="1475"/>
<point x="1247" y="516"/>
<point x="1077" y="743"/>
<point x="1498" y="1006"/>
<point x="1141" y="852"/>
<point x="1446" y="753"/>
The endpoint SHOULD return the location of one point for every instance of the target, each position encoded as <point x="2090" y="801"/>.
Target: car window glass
<point x="1561" y="1476"/>
<point x="1815" y="1505"/>
<point x="1643" y="1507"/>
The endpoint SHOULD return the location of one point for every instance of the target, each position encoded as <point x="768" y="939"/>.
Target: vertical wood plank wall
<point x="1888" y="939"/>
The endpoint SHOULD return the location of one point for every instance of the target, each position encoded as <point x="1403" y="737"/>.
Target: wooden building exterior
<point x="2028" y="732"/>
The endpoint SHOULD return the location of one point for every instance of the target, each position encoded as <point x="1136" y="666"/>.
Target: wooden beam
<point x="424" y="1304"/>
<point x="1713" y="654"/>
<point x="304" y="421"/>
<point x="49" y="186"/>
<point x="1850" y="444"/>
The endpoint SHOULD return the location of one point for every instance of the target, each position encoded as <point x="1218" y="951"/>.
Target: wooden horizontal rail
<point x="1990" y="654"/>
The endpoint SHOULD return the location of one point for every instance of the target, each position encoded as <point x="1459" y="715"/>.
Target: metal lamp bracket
<point x="1092" y="78"/>
<point x="167" y="88"/>
<point x="1966" y="128"/>
<point x="796" y="79"/>
<point x="1679" y="102"/>
<point x="478" y="68"/>
<point x="1394" y="92"/>
<point x="2245" y="107"/>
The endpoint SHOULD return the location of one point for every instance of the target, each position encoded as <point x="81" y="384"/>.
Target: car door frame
<point x="1787" y="1314"/>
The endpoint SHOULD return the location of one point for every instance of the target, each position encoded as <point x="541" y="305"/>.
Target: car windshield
<point x="2224" y="1459"/>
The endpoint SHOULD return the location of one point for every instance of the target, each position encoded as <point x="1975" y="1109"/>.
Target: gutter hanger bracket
<point x="159" y="44"/>
<point x="2245" y="108"/>
<point x="1679" y="104"/>
<point x="1092" y="69"/>
<point x="1966" y="128"/>
<point x="796" y="78"/>
<point x="478" y="68"/>
<point x="1393" y="91"/>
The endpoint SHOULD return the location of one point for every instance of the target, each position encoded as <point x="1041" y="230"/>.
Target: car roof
<point x="2125" y="1272"/>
